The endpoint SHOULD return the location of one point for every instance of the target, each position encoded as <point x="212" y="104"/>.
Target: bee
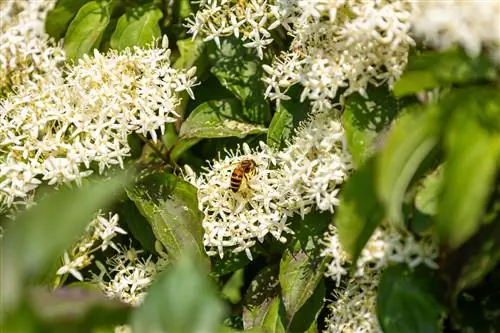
<point x="243" y="170"/>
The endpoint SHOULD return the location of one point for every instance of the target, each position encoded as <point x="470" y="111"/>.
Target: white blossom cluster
<point x="25" y="50"/>
<point x="237" y="220"/>
<point x="304" y="175"/>
<point x="249" y="20"/>
<point x="54" y="129"/>
<point x="340" y="47"/>
<point x="471" y="24"/>
<point x="353" y="308"/>
<point x="98" y="235"/>
<point x="127" y="275"/>
<point x="386" y="246"/>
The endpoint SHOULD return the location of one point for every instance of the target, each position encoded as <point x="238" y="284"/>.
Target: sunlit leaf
<point x="410" y="142"/>
<point x="239" y="69"/>
<point x="213" y="119"/>
<point x="59" y="18"/>
<point x="366" y="120"/>
<point x="287" y="117"/>
<point x="170" y="205"/>
<point x="85" y="31"/>
<point x="137" y="27"/>
<point x="138" y="226"/>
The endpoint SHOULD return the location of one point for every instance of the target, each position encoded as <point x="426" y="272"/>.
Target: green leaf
<point x="432" y="69"/>
<point x="366" y="120"/>
<point x="261" y="307"/>
<point x="59" y="18"/>
<point x="232" y="288"/>
<point x="85" y="31"/>
<point x="467" y="265"/>
<point x="239" y="69"/>
<point x="407" y="301"/>
<point x="41" y="234"/>
<point x="192" y="53"/>
<point x="472" y="145"/>
<point x="410" y="141"/>
<point x="171" y="206"/>
<point x="287" y="117"/>
<point x="137" y="27"/>
<point x="213" y="119"/>
<point x="138" y="225"/>
<point x="181" y="300"/>
<point x="428" y="192"/>
<point x="305" y="320"/>
<point x="299" y="278"/>
<point x="230" y="263"/>
<point x="360" y="211"/>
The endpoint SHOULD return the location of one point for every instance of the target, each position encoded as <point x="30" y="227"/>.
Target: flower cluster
<point x="25" y="50"/>
<point x="341" y="47"/>
<point x="56" y="128"/>
<point x="386" y="246"/>
<point x="98" y="235"/>
<point x="249" y="20"/>
<point x="236" y="220"/>
<point x="126" y="276"/>
<point x="472" y="24"/>
<point x="304" y="175"/>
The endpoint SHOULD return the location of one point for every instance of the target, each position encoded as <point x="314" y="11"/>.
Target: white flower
<point x="53" y="128"/>
<point x="72" y="266"/>
<point x="340" y="46"/>
<point x="314" y="164"/>
<point x="237" y="220"/>
<point x="354" y="307"/>
<point x="128" y="276"/>
<point x="472" y="24"/>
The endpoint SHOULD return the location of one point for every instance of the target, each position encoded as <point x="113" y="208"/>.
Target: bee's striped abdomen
<point x="236" y="178"/>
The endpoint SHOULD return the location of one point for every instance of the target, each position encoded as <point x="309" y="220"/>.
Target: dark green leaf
<point x="213" y="119"/>
<point x="41" y="234"/>
<point x="86" y="29"/>
<point x="171" y="207"/>
<point x="261" y="307"/>
<point x="230" y="263"/>
<point x="181" y="300"/>
<point x="366" y="121"/>
<point x="408" y="301"/>
<point x="359" y="212"/>
<point x="431" y="69"/>
<point x="472" y="144"/>
<point x="410" y="141"/>
<point x="239" y="69"/>
<point x="60" y="16"/>
<point x="288" y="116"/>
<point x="138" y="225"/>
<point x="137" y="27"/>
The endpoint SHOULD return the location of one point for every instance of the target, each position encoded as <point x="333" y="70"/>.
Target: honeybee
<point x="243" y="170"/>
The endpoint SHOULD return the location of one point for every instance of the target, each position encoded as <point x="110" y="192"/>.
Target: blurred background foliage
<point x="427" y="159"/>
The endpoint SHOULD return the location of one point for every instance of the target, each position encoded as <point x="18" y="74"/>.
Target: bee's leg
<point x="247" y="182"/>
